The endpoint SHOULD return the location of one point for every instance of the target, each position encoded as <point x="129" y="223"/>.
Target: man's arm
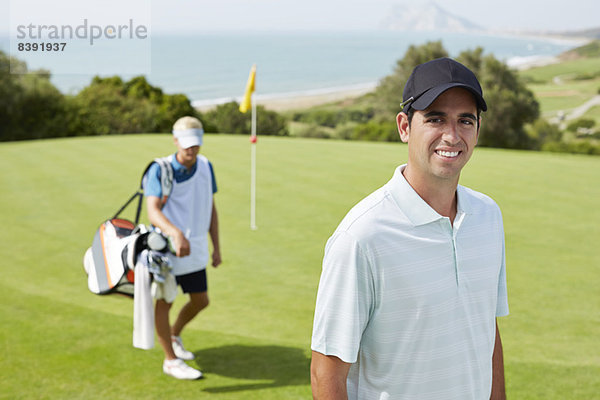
<point x="157" y="218"/>
<point x="328" y="377"/>
<point x="213" y="230"/>
<point x="498" y="390"/>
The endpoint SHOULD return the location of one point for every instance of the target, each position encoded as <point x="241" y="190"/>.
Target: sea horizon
<point x="212" y="68"/>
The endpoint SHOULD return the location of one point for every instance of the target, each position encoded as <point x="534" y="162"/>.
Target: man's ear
<point x="478" y="129"/>
<point x="403" y="126"/>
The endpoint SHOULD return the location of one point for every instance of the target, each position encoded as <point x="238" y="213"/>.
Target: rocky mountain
<point x="426" y="16"/>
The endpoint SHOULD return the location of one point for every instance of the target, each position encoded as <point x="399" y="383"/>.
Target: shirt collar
<point x="463" y="202"/>
<point x="180" y="168"/>
<point x="414" y="207"/>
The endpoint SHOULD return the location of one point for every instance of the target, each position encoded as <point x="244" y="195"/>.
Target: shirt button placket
<point x="447" y="225"/>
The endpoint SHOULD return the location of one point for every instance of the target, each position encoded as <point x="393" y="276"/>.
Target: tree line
<point x="32" y="108"/>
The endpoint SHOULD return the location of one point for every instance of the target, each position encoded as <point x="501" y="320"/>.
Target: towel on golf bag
<point x="153" y="280"/>
<point x="131" y="260"/>
<point x="143" y="310"/>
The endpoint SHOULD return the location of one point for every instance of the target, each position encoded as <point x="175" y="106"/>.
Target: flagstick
<point x="244" y="106"/>
<point x="253" y="171"/>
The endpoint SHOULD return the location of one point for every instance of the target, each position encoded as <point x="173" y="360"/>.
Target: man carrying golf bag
<point x="187" y="217"/>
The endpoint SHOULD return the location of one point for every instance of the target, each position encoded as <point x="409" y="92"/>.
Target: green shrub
<point x="345" y="131"/>
<point x="595" y="135"/>
<point x="376" y="131"/>
<point x="542" y="131"/>
<point x="105" y="109"/>
<point x="314" y="131"/>
<point x="157" y="111"/>
<point x="582" y="146"/>
<point x="269" y="122"/>
<point x="227" y="118"/>
<point x="586" y="76"/>
<point x="30" y="106"/>
<point x="319" y="117"/>
<point x="334" y="117"/>
<point x="581" y="123"/>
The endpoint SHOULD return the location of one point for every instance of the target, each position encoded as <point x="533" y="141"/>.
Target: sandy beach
<point x="302" y="100"/>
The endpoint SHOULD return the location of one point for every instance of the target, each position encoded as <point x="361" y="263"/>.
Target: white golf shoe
<point x="179" y="350"/>
<point x="180" y="370"/>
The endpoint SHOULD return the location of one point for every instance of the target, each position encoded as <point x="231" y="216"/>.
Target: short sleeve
<point x="344" y="299"/>
<point x="152" y="185"/>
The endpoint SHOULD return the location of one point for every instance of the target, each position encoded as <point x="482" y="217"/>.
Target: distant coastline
<point x="311" y="98"/>
<point x="296" y="70"/>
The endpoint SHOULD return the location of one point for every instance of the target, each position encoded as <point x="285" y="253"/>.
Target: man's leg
<point x="163" y="330"/>
<point x="171" y="365"/>
<point x="198" y="301"/>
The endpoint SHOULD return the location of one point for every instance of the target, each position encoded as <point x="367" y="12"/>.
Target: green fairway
<point x="253" y="342"/>
<point x="565" y="85"/>
<point x="566" y="68"/>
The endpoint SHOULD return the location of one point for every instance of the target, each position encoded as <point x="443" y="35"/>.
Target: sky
<point x="171" y="16"/>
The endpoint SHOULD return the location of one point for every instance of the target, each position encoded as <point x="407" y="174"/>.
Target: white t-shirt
<point x="411" y="299"/>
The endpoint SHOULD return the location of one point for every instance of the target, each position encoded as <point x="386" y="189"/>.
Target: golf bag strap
<point x="166" y="181"/>
<point x="166" y="177"/>
<point x="140" y="195"/>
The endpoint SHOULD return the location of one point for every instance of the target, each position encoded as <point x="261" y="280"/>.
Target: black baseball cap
<point x="427" y="81"/>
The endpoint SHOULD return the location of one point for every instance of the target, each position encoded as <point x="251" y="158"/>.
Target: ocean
<point x="212" y="68"/>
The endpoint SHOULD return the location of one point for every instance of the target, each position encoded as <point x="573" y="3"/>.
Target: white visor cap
<point x="189" y="137"/>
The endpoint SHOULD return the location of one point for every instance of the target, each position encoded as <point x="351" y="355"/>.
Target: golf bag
<point x="110" y="262"/>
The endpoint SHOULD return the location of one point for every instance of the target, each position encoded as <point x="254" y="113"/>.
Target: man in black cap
<point x="414" y="276"/>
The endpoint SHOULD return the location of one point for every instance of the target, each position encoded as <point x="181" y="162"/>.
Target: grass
<point x="253" y="342"/>
<point x="571" y="68"/>
<point x="564" y="96"/>
<point x="560" y="87"/>
<point x="594" y="114"/>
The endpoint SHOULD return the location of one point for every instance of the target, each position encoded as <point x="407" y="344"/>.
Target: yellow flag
<point x="247" y="102"/>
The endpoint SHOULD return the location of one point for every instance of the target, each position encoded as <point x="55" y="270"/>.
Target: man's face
<point x="440" y="138"/>
<point x="187" y="157"/>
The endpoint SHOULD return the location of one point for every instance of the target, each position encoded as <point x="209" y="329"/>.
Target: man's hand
<point x="181" y="245"/>
<point x="216" y="258"/>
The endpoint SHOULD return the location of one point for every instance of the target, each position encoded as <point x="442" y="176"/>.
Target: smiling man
<point x="414" y="276"/>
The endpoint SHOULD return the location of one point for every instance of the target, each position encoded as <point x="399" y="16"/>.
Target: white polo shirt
<point x="411" y="299"/>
